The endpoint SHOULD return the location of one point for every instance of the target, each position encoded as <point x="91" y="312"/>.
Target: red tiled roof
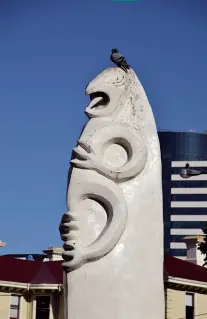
<point x="38" y="272"/>
<point x="33" y="272"/>
<point x="175" y="267"/>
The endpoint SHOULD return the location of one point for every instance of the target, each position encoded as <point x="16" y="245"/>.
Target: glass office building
<point x="184" y="200"/>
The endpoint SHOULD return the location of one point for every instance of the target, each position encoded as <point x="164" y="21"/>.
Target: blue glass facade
<point x="181" y="147"/>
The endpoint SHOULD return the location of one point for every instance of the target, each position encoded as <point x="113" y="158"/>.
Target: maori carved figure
<point x="114" y="200"/>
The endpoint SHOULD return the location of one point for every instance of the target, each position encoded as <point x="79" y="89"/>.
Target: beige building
<point x="186" y="283"/>
<point x="33" y="289"/>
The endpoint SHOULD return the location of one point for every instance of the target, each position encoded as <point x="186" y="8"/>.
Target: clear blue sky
<point x="49" y="50"/>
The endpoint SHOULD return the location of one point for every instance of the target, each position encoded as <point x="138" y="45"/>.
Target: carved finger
<point x="86" y="146"/>
<point x="65" y="227"/>
<point x="68" y="255"/>
<point x="80" y="152"/>
<point x="69" y="245"/>
<point x="71" y="235"/>
<point x="65" y="218"/>
<point x="72" y="216"/>
<point x="73" y="225"/>
<point x="79" y="164"/>
<point x="72" y="261"/>
<point x="72" y="264"/>
<point x="68" y="217"/>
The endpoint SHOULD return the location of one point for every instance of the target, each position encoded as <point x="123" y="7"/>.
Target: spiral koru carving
<point x="90" y="155"/>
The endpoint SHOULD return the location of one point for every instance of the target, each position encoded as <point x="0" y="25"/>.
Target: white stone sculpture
<point x="113" y="231"/>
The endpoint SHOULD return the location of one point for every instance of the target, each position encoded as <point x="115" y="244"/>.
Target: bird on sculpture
<point x="119" y="60"/>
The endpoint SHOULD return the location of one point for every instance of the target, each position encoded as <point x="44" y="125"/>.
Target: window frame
<point x="188" y="306"/>
<point x="18" y="306"/>
<point x="34" y="303"/>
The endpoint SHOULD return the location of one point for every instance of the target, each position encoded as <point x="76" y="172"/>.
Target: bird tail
<point x="125" y="64"/>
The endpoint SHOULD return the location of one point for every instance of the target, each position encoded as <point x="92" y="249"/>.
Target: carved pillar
<point x="113" y="231"/>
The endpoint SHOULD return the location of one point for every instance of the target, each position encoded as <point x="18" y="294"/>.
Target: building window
<point x="14" y="307"/>
<point x="42" y="307"/>
<point x="189" y="306"/>
<point x="191" y="252"/>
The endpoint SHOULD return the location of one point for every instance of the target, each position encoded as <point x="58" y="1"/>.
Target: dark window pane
<point x="189" y="198"/>
<point x="42" y="307"/>
<point x="189" y="211"/>
<point x="188" y="225"/>
<point x="179" y="252"/>
<point x="189" y="312"/>
<point x="43" y="302"/>
<point x="42" y="314"/>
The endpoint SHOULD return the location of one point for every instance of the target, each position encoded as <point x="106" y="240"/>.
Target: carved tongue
<point x="94" y="101"/>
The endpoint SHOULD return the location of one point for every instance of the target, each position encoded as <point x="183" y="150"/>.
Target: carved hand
<point x="113" y="133"/>
<point x="86" y="157"/>
<point x="69" y="231"/>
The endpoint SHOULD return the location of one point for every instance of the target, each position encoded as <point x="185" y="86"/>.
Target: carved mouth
<point x="99" y="100"/>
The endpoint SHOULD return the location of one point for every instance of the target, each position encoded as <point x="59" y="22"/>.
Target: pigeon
<point x="190" y="172"/>
<point x="119" y="60"/>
